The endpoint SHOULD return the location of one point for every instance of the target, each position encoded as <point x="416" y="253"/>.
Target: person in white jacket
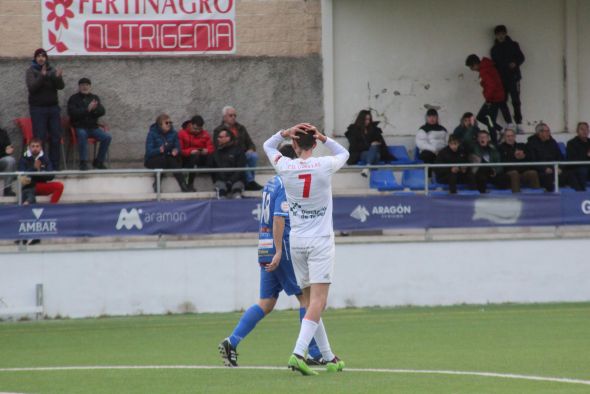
<point x="431" y="138"/>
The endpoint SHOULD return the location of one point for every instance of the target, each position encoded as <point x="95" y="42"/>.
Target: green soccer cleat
<point x="297" y="363"/>
<point x="336" y="365"/>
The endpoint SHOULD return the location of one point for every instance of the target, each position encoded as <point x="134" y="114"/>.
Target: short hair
<point x="500" y="29"/>
<point x="466" y="115"/>
<point x="539" y="127"/>
<point x="480" y="132"/>
<point x="472" y="60"/>
<point x="226" y="108"/>
<point x="36" y="141"/>
<point x="198" y="120"/>
<point x="454" y="138"/>
<point x="229" y="133"/>
<point x="288" y="151"/>
<point x="580" y="124"/>
<point x="507" y="129"/>
<point x="161" y="118"/>
<point x="306" y="140"/>
<point x="185" y="124"/>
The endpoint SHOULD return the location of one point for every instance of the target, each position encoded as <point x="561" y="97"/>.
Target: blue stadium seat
<point x="383" y="180"/>
<point x="401" y="154"/>
<point x="532" y="191"/>
<point x="413" y="179"/>
<point x="563" y="149"/>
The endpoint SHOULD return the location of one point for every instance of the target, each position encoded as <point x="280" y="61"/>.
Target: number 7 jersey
<point x="308" y="186"/>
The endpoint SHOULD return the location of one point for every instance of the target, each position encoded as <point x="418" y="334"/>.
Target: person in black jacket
<point x="43" y="82"/>
<point x="541" y="147"/>
<point x="7" y="162"/>
<point x="453" y="175"/>
<point x="34" y="160"/>
<point x="228" y="155"/>
<point x="242" y="140"/>
<point x="508" y="58"/>
<point x="578" y="149"/>
<point x="366" y="141"/>
<point x="466" y="132"/>
<point x="514" y="152"/>
<point x="84" y="109"/>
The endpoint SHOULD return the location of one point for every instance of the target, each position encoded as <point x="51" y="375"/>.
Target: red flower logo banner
<point x="60" y="12"/>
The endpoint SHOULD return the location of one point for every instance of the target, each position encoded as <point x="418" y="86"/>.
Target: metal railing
<point x="158" y="173"/>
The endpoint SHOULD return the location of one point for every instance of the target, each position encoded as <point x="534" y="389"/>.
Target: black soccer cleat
<point x="228" y="353"/>
<point x="311" y="361"/>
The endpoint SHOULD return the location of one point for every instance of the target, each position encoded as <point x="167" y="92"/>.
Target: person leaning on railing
<point x="578" y="149"/>
<point x="162" y="149"/>
<point x="484" y="152"/>
<point x="513" y="152"/>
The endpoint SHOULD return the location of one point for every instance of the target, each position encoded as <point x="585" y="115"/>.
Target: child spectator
<point x="195" y="146"/>
<point x="484" y="152"/>
<point x="466" y="132"/>
<point x="453" y="175"/>
<point x="35" y="160"/>
<point x="513" y="152"/>
<point x="431" y="138"/>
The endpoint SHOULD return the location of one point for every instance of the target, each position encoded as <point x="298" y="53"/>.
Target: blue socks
<point x="246" y="324"/>
<point x="313" y="349"/>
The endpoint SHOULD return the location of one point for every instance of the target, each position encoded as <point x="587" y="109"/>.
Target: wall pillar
<point x="571" y="75"/>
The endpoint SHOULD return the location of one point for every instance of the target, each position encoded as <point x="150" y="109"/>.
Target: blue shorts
<point x="281" y="279"/>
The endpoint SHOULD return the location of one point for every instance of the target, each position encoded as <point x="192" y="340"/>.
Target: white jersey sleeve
<point x="340" y="154"/>
<point x="271" y="149"/>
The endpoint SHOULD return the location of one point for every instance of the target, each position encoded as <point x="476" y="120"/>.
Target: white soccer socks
<point x="306" y="333"/>
<point x="321" y="338"/>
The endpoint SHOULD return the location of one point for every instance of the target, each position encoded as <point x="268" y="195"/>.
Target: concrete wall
<point x="398" y="56"/>
<point x="219" y="279"/>
<point x="273" y="80"/>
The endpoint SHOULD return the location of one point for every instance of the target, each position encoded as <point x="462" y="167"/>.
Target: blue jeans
<point x="251" y="161"/>
<point x="99" y="135"/>
<point x="47" y="126"/>
<point x="372" y="156"/>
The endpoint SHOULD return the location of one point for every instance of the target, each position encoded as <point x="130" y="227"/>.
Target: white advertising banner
<point x="138" y="27"/>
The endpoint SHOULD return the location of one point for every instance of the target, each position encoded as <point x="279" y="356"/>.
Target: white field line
<point x="268" y="368"/>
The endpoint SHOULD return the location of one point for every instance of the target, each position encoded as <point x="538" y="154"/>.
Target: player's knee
<point x="267" y="305"/>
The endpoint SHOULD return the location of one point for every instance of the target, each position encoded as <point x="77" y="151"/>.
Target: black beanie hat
<point x="432" y="112"/>
<point x="40" y="51"/>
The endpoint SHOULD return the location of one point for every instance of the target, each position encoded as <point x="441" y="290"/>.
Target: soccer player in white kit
<point x="308" y="188"/>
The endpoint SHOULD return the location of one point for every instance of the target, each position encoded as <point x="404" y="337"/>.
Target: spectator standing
<point x="431" y="138"/>
<point x="242" y="140"/>
<point x="543" y="148"/>
<point x="466" y="132"/>
<point x="484" y="152"/>
<point x="366" y="141"/>
<point x="84" y="109"/>
<point x="514" y="152"/>
<point x="195" y="146"/>
<point x="35" y="160"/>
<point x="43" y="82"/>
<point x="578" y="149"/>
<point x="493" y="92"/>
<point x="7" y="162"/>
<point x="453" y="175"/>
<point x="228" y="155"/>
<point x="162" y="149"/>
<point x="508" y="58"/>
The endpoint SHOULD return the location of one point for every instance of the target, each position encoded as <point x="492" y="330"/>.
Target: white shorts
<point x="313" y="259"/>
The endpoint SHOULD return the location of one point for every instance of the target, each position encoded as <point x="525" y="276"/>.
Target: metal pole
<point x="556" y="177"/>
<point x="19" y="190"/>
<point x="158" y="184"/>
<point x="426" y="185"/>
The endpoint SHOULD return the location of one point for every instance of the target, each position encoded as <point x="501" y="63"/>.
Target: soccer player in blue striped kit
<point x="276" y="269"/>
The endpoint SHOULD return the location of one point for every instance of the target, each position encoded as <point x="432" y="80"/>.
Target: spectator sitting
<point x="195" y="146"/>
<point x="43" y="82"/>
<point x="493" y="92"/>
<point x="453" y="175"/>
<point x="7" y="162"/>
<point x="228" y="155"/>
<point x="543" y="148"/>
<point x="431" y="137"/>
<point x="508" y="58"/>
<point x="366" y="142"/>
<point x="466" y="132"/>
<point x="34" y="160"/>
<point x="484" y="152"/>
<point x="242" y="140"/>
<point x="162" y="149"/>
<point x="84" y="109"/>
<point x="578" y="149"/>
<point x="513" y="152"/>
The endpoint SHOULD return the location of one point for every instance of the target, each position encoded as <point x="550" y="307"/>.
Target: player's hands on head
<point x="291" y="132"/>
<point x="317" y="135"/>
<point x="273" y="265"/>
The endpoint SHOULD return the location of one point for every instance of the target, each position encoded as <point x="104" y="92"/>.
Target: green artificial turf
<point x="541" y="340"/>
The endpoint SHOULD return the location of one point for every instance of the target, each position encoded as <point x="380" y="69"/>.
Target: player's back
<point x="273" y="204"/>
<point x="308" y="185"/>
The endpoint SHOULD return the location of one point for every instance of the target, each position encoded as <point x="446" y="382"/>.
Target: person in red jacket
<point x="493" y="92"/>
<point x="195" y="146"/>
